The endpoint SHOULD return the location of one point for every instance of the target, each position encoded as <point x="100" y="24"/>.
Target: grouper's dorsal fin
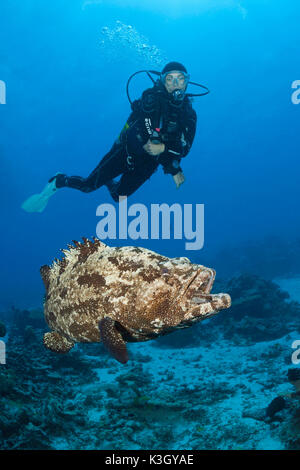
<point x="94" y="243"/>
<point x="112" y="340"/>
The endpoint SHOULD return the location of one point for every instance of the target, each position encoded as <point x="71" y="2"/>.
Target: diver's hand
<point x="179" y="179"/>
<point x="154" y="149"/>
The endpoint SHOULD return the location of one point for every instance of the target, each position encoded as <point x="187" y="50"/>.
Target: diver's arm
<point x="146" y="111"/>
<point x="137" y="135"/>
<point x="171" y="157"/>
<point x="180" y="147"/>
<point x="189" y="132"/>
<point x="171" y="166"/>
<point x="135" y="141"/>
<point x="183" y="144"/>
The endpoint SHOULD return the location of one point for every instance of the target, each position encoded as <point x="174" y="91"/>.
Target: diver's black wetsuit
<point x="155" y="109"/>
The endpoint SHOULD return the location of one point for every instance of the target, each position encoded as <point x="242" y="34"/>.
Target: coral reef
<point x="260" y="310"/>
<point x="2" y="329"/>
<point x="277" y="404"/>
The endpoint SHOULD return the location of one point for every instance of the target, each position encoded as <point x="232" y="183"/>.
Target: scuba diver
<point x="159" y="131"/>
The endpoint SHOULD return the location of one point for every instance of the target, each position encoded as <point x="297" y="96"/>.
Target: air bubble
<point x="124" y="42"/>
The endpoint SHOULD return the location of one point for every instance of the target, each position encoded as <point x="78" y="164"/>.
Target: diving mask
<point x="175" y="78"/>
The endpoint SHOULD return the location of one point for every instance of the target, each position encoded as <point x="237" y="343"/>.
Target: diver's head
<point x="175" y="79"/>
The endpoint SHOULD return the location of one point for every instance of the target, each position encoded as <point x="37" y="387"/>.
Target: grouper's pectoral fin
<point x="112" y="340"/>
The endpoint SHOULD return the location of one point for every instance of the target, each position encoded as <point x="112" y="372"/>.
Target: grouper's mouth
<point x="200" y="283"/>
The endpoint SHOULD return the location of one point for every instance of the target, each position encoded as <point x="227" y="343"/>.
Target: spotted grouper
<point x="123" y="294"/>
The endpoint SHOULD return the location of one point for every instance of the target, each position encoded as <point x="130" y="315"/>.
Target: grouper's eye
<point x="165" y="272"/>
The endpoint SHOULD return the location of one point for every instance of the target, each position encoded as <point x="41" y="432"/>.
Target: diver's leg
<point x="132" y="180"/>
<point x="111" y="165"/>
<point x="112" y="187"/>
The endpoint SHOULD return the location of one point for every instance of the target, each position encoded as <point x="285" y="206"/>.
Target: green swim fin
<point x="38" y="202"/>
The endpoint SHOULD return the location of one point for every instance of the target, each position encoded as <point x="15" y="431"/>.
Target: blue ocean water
<point x="65" y="65"/>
